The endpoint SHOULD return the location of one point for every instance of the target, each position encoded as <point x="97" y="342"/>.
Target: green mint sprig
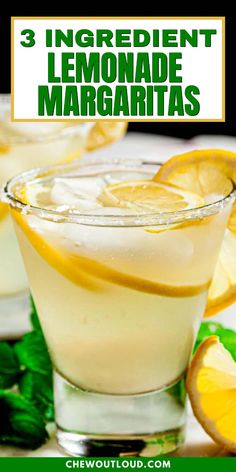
<point x="21" y="422"/>
<point x="9" y="366"/>
<point x="226" y="335"/>
<point x="26" y="394"/>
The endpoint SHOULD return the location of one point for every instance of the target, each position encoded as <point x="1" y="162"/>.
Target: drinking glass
<point x="120" y="295"/>
<point x="24" y="146"/>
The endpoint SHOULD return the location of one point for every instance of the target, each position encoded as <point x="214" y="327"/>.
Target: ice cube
<point x="79" y="193"/>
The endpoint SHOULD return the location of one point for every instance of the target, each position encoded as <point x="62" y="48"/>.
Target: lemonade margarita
<point x="22" y="147"/>
<point x="119" y="267"/>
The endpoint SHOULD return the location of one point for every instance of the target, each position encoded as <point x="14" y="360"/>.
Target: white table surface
<point x="157" y="148"/>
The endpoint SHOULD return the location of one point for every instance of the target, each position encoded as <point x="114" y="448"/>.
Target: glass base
<point x="116" y="446"/>
<point x="14" y="316"/>
<point x="101" y="425"/>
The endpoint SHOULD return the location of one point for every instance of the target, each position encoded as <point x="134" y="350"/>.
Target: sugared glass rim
<point x="151" y="218"/>
<point x="59" y="132"/>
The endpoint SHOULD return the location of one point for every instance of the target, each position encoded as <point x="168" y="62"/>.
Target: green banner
<point x="9" y="464"/>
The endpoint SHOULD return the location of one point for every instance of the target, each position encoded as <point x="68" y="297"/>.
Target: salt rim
<point x="58" y="133"/>
<point x="132" y="220"/>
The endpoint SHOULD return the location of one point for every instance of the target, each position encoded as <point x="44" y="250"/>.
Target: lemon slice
<point x="87" y="272"/>
<point x="204" y="172"/>
<point x="148" y="195"/>
<point x="209" y="173"/>
<point x="4" y="149"/>
<point x="72" y="265"/>
<point x="211" y="385"/>
<point x="105" y="132"/>
<point x="3" y="210"/>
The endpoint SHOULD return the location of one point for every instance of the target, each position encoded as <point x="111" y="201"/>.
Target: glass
<point x="22" y="147"/>
<point x="120" y="296"/>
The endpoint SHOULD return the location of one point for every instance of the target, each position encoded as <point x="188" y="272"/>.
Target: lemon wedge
<point x="104" y="133"/>
<point x="211" y="385"/>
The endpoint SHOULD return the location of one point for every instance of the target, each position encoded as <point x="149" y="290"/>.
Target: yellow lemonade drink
<point x="119" y="267"/>
<point x="24" y="146"/>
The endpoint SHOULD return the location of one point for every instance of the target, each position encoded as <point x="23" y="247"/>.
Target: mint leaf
<point x="9" y="366"/>
<point x="227" y="336"/>
<point x="178" y="391"/>
<point x="35" y="383"/>
<point x="32" y="353"/>
<point x="37" y="388"/>
<point x="34" y="316"/>
<point x="26" y="366"/>
<point x="21" y="423"/>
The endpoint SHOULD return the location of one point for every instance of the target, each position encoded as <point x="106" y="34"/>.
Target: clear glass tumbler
<point x="120" y="295"/>
<point x="24" y="146"/>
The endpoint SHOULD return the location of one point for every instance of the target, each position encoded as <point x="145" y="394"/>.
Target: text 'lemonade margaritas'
<point x="119" y="266"/>
<point x="24" y="146"/>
